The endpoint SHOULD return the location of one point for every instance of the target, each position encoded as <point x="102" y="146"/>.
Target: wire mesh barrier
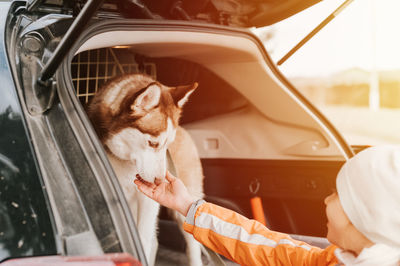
<point x="91" y="69"/>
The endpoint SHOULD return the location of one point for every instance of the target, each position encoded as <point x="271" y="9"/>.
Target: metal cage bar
<point x="91" y="69"/>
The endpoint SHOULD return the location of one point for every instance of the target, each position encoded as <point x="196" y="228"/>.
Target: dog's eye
<point x="153" y="144"/>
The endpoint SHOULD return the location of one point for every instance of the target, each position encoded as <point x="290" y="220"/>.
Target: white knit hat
<point x="369" y="190"/>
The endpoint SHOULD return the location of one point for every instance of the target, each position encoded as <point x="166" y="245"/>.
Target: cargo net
<point x="91" y="69"/>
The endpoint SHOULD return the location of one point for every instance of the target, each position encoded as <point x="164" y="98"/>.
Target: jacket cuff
<point x="192" y="211"/>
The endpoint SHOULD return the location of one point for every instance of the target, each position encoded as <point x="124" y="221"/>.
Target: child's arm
<point x="242" y="240"/>
<point x="249" y="242"/>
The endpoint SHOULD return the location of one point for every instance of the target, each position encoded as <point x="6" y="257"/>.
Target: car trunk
<point x="263" y="141"/>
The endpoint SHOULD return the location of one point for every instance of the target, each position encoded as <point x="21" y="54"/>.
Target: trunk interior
<point x="254" y="138"/>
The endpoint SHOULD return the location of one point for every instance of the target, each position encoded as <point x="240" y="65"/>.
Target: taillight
<point x="113" y="259"/>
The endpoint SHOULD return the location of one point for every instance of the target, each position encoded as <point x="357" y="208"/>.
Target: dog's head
<point x="136" y="119"/>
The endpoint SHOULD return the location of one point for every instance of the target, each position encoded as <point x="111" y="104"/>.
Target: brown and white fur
<point x="136" y="118"/>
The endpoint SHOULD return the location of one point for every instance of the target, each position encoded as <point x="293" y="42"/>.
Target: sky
<point x="346" y="42"/>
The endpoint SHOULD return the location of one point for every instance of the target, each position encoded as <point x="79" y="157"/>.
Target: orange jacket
<point x="248" y="242"/>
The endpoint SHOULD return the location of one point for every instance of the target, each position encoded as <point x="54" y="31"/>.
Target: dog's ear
<point x="147" y="99"/>
<point x="181" y="94"/>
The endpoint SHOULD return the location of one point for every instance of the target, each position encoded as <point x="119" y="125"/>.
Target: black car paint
<point x="25" y="224"/>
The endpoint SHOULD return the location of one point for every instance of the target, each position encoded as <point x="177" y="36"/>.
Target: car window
<point x="349" y="70"/>
<point x="25" y="226"/>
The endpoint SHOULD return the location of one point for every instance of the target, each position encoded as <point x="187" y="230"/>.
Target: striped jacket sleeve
<point x="248" y="242"/>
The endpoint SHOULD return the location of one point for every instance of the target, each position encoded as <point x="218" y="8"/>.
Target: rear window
<point x="25" y="226"/>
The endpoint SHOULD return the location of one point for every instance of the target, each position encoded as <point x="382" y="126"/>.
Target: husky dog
<point x="136" y="119"/>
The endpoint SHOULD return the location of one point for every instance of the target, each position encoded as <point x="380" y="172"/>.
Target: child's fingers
<point x="170" y="177"/>
<point x="144" y="188"/>
<point x="144" y="182"/>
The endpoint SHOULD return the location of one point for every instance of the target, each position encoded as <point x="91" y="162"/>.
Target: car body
<point x="257" y="136"/>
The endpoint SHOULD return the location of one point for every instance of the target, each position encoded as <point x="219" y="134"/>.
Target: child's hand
<point x="172" y="194"/>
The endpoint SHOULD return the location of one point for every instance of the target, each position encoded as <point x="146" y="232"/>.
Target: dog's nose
<point x="157" y="181"/>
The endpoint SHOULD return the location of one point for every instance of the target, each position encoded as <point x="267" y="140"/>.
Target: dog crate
<point x="91" y="69"/>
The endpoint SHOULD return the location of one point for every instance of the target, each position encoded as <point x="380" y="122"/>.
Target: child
<point x="363" y="219"/>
